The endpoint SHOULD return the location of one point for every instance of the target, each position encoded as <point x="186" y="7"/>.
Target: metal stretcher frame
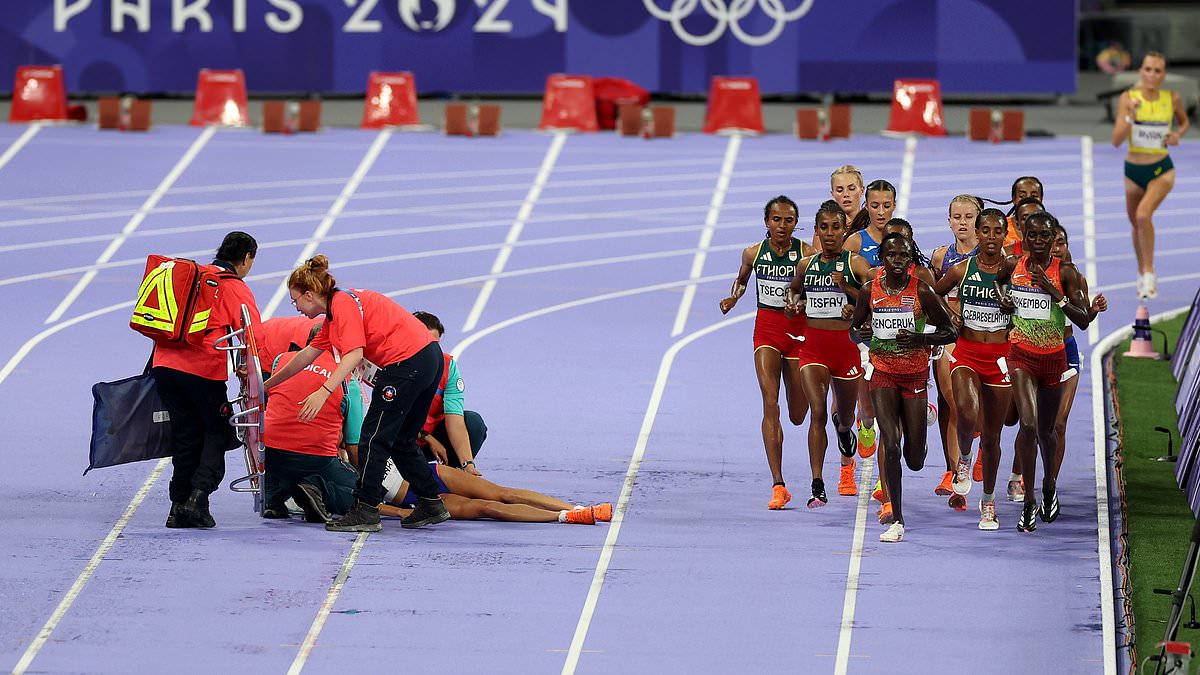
<point x="248" y="409"/>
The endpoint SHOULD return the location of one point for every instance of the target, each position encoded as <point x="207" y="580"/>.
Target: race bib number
<point x="772" y="293"/>
<point x="1150" y="134"/>
<point x="886" y="323"/>
<point x="985" y="318"/>
<point x="1033" y="304"/>
<point x="824" y="304"/>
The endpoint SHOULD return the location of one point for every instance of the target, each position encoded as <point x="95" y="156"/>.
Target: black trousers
<point x="333" y="477"/>
<point x="476" y="431"/>
<point x="400" y="400"/>
<point x="200" y="432"/>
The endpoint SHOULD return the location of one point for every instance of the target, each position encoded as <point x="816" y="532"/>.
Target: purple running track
<point x="562" y="364"/>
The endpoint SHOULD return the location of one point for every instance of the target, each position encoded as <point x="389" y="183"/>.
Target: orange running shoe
<point x="958" y="502"/>
<point x="846" y="483"/>
<point x="946" y="486"/>
<point x="977" y="470"/>
<point x="877" y="493"/>
<point x="584" y="516"/>
<point x="886" y="517"/>
<point x="779" y="497"/>
<point x="603" y="512"/>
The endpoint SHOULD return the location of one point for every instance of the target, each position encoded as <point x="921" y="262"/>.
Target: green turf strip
<point x="1157" y="515"/>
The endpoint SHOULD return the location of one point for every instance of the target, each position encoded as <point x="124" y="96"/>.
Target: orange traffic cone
<point x="1141" y="347"/>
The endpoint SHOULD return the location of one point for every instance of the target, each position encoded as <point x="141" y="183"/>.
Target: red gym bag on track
<point x="175" y="300"/>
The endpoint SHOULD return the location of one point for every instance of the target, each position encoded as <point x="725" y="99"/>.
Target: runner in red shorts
<point x="894" y="321"/>
<point x="827" y="356"/>
<point x="777" y="337"/>
<point x="978" y="373"/>
<point x="1044" y="291"/>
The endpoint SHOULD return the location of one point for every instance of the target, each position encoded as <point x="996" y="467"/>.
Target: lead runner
<point x="777" y="337"/>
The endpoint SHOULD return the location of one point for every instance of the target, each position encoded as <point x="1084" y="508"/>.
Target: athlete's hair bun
<point x="317" y="263"/>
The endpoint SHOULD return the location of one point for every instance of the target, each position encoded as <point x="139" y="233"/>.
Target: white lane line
<point x="1100" y="439"/>
<point x="850" y="603"/>
<point x="1161" y="281"/>
<point x="24" y="138"/>
<point x="706" y="234"/>
<point x="1089" y="227"/>
<point x="866" y="484"/>
<point x="906" y="177"/>
<point x="135" y="221"/>
<point x="310" y="640"/>
<point x="335" y="210"/>
<point x="59" y="612"/>
<point x="635" y="464"/>
<point x="274" y="204"/>
<point x="514" y="232"/>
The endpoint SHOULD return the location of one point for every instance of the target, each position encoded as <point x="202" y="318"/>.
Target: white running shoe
<point x="962" y="476"/>
<point x="931" y="415"/>
<point x="893" y="534"/>
<point x="1016" y="491"/>
<point x="987" y="516"/>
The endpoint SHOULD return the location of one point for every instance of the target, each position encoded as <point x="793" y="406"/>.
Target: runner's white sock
<point x="562" y="516"/>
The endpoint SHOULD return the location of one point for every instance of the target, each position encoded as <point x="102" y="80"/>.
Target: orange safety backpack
<point x="175" y="300"/>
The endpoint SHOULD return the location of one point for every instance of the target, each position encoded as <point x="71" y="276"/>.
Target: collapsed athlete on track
<point x="471" y="497"/>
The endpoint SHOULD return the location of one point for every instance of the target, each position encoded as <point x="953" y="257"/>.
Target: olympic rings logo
<point x="727" y="16"/>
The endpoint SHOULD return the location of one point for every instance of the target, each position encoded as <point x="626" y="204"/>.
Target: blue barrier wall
<point x="329" y="46"/>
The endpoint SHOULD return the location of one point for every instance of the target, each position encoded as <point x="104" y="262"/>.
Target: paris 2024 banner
<point x="498" y="46"/>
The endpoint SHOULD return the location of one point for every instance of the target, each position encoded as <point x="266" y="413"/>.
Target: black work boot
<point x="196" y="508"/>
<point x="309" y="497"/>
<point x="429" y="511"/>
<point x="362" y="517"/>
<point x="177" y="518"/>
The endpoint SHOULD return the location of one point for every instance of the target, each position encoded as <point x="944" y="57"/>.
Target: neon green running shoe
<point x="866" y="440"/>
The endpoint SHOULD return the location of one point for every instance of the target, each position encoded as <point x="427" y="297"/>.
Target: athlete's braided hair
<point x="781" y="199"/>
<point x="1013" y="198"/>
<point x="830" y="206"/>
<point x="918" y="256"/>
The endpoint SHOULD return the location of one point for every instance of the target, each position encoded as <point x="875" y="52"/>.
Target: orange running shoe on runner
<point x="877" y="493"/>
<point x="603" y="512"/>
<point x="584" y="516"/>
<point x="977" y="470"/>
<point x="846" y="484"/>
<point x="886" y="517"/>
<point x="779" y="497"/>
<point x="946" y="486"/>
<point x="958" y="502"/>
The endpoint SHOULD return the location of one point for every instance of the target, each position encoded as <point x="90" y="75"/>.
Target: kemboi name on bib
<point x="1031" y="303"/>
